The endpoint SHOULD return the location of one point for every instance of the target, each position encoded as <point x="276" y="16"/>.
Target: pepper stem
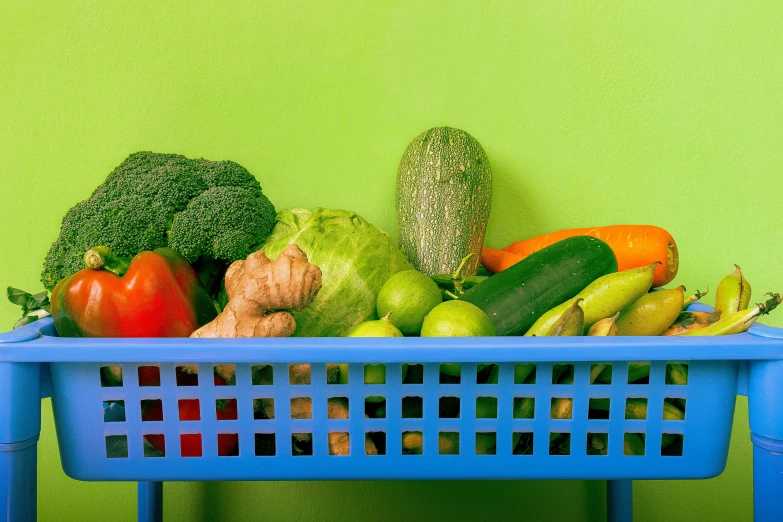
<point x="102" y="257"/>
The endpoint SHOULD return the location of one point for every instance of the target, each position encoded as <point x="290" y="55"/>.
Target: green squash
<point x="444" y="190"/>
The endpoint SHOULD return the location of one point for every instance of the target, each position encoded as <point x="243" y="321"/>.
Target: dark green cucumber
<point x="516" y="297"/>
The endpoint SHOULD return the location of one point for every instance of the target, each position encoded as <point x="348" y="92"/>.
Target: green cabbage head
<point x="355" y="257"/>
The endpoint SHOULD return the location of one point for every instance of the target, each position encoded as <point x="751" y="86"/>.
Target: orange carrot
<point x="497" y="260"/>
<point x="633" y="245"/>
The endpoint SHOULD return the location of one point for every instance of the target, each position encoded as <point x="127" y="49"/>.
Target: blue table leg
<point x="767" y="479"/>
<point x="150" y="500"/>
<point x="619" y="500"/>
<point x="20" y="427"/>
<point x="765" y="409"/>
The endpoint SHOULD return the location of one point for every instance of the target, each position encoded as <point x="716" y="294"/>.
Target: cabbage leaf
<point x="355" y="257"/>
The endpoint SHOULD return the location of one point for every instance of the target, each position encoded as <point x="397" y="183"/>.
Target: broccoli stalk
<point x="211" y="212"/>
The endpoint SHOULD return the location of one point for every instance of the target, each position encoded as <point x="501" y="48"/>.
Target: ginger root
<point x="262" y="293"/>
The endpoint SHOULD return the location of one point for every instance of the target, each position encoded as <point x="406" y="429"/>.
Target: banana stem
<point x="693" y="298"/>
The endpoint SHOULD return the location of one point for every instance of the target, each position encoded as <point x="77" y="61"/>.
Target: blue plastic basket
<point x="98" y="442"/>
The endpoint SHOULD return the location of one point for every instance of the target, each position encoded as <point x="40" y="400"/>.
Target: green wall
<point x="592" y="113"/>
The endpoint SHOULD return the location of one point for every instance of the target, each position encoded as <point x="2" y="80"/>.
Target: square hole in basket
<point x="190" y="445"/>
<point x="225" y="409"/>
<point x="154" y="445"/>
<point x="337" y="408"/>
<point x="486" y="407"/>
<point x="412" y="407"/>
<point x="522" y="443"/>
<point x="262" y="375"/>
<point x="448" y="443"/>
<point x="264" y="409"/>
<point x="301" y="444"/>
<point x="487" y="374"/>
<point x="677" y="374"/>
<point x="598" y="408"/>
<point x="639" y="373"/>
<point x="189" y="409"/>
<point x="673" y="409"/>
<point x="334" y="372"/>
<point x="671" y="444"/>
<point x="597" y="443"/>
<point x="113" y="411"/>
<point x="524" y="373"/>
<point x="374" y="374"/>
<point x="265" y="445"/>
<point x="450" y="373"/>
<point x="375" y="407"/>
<point x="412" y="443"/>
<point x="636" y="408"/>
<point x="111" y="376"/>
<point x="414" y="375"/>
<point x="524" y="407"/>
<point x="228" y="444"/>
<point x="149" y="376"/>
<point x="301" y="408"/>
<point x="151" y="410"/>
<point x="116" y="446"/>
<point x="600" y="374"/>
<point x="378" y="439"/>
<point x="486" y="443"/>
<point x="299" y="374"/>
<point x="633" y="444"/>
<point x="187" y="375"/>
<point x="561" y="408"/>
<point x="448" y="408"/>
<point x="562" y="374"/>
<point x="339" y="444"/>
<point x="559" y="443"/>
<point x="224" y="374"/>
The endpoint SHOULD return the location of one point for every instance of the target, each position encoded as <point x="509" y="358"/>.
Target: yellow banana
<point x="690" y="321"/>
<point x="571" y="323"/>
<point x="606" y="326"/>
<point x="740" y="321"/>
<point x="733" y="293"/>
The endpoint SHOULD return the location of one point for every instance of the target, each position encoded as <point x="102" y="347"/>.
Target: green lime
<point x="379" y="328"/>
<point x="457" y="319"/>
<point x="410" y="295"/>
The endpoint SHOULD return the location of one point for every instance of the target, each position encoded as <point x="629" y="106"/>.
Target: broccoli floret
<point x="207" y="210"/>
<point x="222" y="223"/>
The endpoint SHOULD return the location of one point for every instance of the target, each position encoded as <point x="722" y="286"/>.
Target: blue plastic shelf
<point x="100" y="430"/>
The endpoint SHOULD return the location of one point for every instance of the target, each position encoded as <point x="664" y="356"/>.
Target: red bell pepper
<point x="155" y="294"/>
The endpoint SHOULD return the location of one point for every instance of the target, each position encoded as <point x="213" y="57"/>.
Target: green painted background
<point x="591" y="113"/>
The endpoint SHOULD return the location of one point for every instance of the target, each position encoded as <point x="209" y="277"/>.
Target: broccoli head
<point x="209" y="211"/>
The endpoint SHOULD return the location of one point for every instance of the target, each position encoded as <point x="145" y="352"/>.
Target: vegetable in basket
<point x="733" y="293"/>
<point x="211" y="212"/>
<point x="444" y="192"/>
<point x="262" y="295"/>
<point x="515" y="298"/>
<point x="634" y="245"/>
<point x="155" y="294"/>
<point x="34" y="307"/>
<point x="602" y="298"/>
<point x="355" y="257"/>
